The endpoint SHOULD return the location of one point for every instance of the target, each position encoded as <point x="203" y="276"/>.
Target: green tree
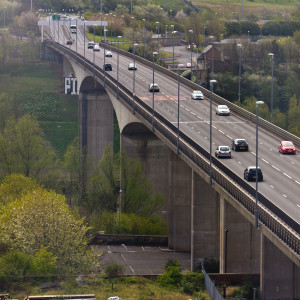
<point x="43" y="219"/>
<point x="23" y="149"/>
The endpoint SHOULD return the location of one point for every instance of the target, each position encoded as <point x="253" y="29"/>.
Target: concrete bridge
<point x="215" y="221"/>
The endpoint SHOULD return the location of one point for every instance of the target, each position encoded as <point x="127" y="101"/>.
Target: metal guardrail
<point x="270" y="215"/>
<point x="211" y="288"/>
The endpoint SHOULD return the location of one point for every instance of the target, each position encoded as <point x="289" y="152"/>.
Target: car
<point x="287" y="147"/>
<point x="222" y="110"/>
<point x="239" y="145"/>
<point x="108" y="54"/>
<point x="250" y="173"/>
<point x="132" y="66"/>
<point x="114" y="298"/>
<point x="223" y="151"/>
<point x="197" y="95"/>
<point x="91" y="45"/>
<point x="107" y="67"/>
<point x="96" y="48"/>
<point x="188" y="65"/>
<point x="153" y="87"/>
<point x="180" y="65"/>
<point x="69" y="42"/>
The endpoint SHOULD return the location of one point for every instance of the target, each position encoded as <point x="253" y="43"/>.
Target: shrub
<point x="171" y="263"/>
<point x="114" y="270"/>
<point x="211" y="265"/>
<point x="171" y="278"/>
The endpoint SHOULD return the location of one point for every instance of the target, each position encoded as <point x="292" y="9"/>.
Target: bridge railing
<point x="270" y="215"/>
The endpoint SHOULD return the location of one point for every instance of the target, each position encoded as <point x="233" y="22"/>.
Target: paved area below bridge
<point x="139" y="260"/>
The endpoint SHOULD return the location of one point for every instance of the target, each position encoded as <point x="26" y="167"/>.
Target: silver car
<point x="223" y="151"/>
<point x="222" y="110"/>
<point x="197" y="95"/>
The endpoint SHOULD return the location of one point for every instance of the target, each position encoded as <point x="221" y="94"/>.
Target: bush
<point x="171" y="263"/>
<point x="114" y="271"/>
<point x="211" y="265"/>
<point x="171" y="278"/>
<point x="193" y="282"/>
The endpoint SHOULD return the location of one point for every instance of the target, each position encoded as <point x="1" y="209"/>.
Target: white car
<point x="108" y="54"/>
<point x="114" y="298"/>
<point x="132" y="66"/>
<point x="180" y="66"/>
<point x="197" y="95"/>
<point x="96" y="48"/>
<point x="222" y="110"/>
<point x="223" y="151"/>
<point x="91" y="45"/>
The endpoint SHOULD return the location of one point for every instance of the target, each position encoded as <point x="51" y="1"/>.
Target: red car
<point x="287" y="147"/>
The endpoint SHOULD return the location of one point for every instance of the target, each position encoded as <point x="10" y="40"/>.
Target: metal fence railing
<point x="279" y="223"/>
<point x="214" y="293"/>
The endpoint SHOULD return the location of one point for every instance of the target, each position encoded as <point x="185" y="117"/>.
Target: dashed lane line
<point x="276" y="168"/>
<point x="287" y="175"/>
<point x="221" y="131"/>
<point x="285" y="196"/>
<point x="265" y="161"/>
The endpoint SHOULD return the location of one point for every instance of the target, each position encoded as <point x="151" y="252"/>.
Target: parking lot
<point x="139" y="260"/>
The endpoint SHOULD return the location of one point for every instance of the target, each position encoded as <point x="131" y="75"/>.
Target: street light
<point x="204" y="31"/>
<point x="83" y="42"/>
<point x="101" y="17"/>
<point x="123" y="30"/>
<point x="173" y="35"/>
<point x="158" y="37"/>
<point x="104" y="53"/>
<point x="212" y="81"/>
<point x="154" y="53"/>
<point x="178" y="106"/>
<point x="133" y="89"/>
<point x="166" y="30"/>
<point x="240" y="68"/>
<point x="93" y="51"/>
<point x="212" y="53"/>
<point x="31" y="6"/>
<point x="272" y="56"/>
<point x="192" y="34"/>
<point x="225" y="254"/>
<point x="256" y="165"/>
<point x="132" y="28"/>
<point x="131" y="7"/>
<point x="144" y="36"/>
<point x="110" y="27"/>
<point x="118" y="69"/>
<point x="76" y="42"/>
<point x="4" y="30"/>
<point x="115" y="28"/>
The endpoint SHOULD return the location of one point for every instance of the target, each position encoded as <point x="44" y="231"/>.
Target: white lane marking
<point x="239" y="162"/>
<point x="193" y="113"/>
<point x="205" y="137"/>
<point x="198" y="131"/>
<point x="221" y="131"/>
<point x="272" y="186"/>
<point x="285" y="196"/>
<point x="187" y="109"/>
<point x="298" y="205"/>
<point x="265" y="161"/>
<point x="297" y="181"/>
<point x="143" y="248"/>
<point x="276" y="168"/>
<point x="131" y="269"/>
<point x="253" y="153"/>
<point x="292" y="162"/>
<point x="251" y="137"/>
<point x="228" y="136"/>
<point x="214" y="126"/>
<point x="287" y="175"/>
<point x="123" y="257"/>
<point x="199" y="117"/>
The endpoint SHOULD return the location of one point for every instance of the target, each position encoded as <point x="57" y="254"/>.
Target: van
<point x="73" y="29"/>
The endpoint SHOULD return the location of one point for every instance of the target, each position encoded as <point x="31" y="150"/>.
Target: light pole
<point x="101" y="17"/>
<point x="104" y="53"/>
<point x="242" y="10"/>
<point x="4" y="30"/>
<point x="93" y="52"/>
<point x="154" y="53"/>
<point x="272" y="56"/>
<point x="144" y="36"/>
<point x="256" y="165"/>
<point x="204" y="31"/>
<point x="31" y="6"/>
<point x="158" y="37"/>
<point x="212" y="54"/>
<point x="225" y="254"/>
<point x="173" y="35"/>
<point x="132" y="28"/>
<point x="166" y="30"/>
<point x="115" y="28"/>
<point x="83" y="42"/>
<point x="192" y="33"/>
<point x="133" y="88"/>
<point x="178" y="106"/>
<point x="248" y="35"/>
<point x="240" y="68"/>
<point x="76" y="41"/>
<point x="110" y="27"/>
<point x="118" y="69"/>
<point x="212" y="81"/>
<point x="123" y="30"/>
<point x="131" y="7"/>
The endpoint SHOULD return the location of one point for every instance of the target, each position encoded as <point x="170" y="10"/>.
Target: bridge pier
<point x="279" y="276"/>
<point x="96" y="121"/>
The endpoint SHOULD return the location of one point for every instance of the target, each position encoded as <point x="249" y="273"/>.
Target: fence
<point x="211" y="288"/>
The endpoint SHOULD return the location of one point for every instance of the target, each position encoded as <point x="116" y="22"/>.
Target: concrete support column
<point x="223" y="237"/>
<point x="279" y="276"/>
<point x="243" y="243"/>
<point x="204" y="221"/>
<point x="179" y="203"/>
<point x="95" y="123"/>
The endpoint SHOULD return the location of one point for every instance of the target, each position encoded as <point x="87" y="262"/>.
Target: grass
<point x="38" y="88"/>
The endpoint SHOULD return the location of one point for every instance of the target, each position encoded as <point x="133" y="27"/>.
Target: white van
<point x="73" y="28"/>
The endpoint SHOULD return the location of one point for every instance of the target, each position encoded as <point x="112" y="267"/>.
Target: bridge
<point x="211" y="209"/>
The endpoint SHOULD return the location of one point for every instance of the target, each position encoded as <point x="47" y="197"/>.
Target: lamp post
<point x="178" y="106"/>
<point x="101" y="17"/>
<point x="115" y="28"/>
<point x="76" y="42"/>
<point x="133" y="88"/>
<point x="31" y="6"/>
<point x="157" y="23"/>
<point x="204" y="31"/>
<point x="4" y="30"/>
<point x="131" y="7"/>
<point x="212" y="54"/>
<point x="154" y="53"/>
<point x="212" y="81"/>
<point x="192" y="33"/>
<point x="111" y="26"/>
<point x="83" y="42"/>
<point x="104" y="53"/>
<point x="118" y="69"/>
<point x="166" y="30"/>
<point x="58" y="31"/>
<point x="248" y="35"/>
<point x="272" y="56"/>
<point x="144" y="36"/>
<point x="240" y="68"/>
<point x="225" y="254"/>
<point x="256" y="165"/>
<point x="173" y="35"/>
<point x="123" y="30"/>
<point x="93" y="51"/>
<point x="242" y="11"/>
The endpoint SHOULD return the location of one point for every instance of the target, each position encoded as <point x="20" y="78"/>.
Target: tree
<point x="23" y="149"/>
<point x="43" y="219"/>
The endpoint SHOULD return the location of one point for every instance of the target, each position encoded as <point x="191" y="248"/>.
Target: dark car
<point x="69" y="42"/>
<point x="287" y="147"/>
<point x="250" y="173"/>
<point x="239" y="145"/>
<point x="107" y="67"/>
